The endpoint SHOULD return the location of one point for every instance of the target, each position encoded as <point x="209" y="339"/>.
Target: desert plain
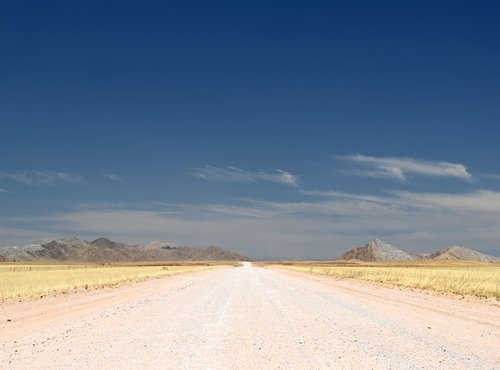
<point x="250" y="316"/>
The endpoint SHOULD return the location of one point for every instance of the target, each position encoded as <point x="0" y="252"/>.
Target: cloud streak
<point x="479" y="201"/>
<point x="233" y="174"/>
<point x="400" y="168"/>
<point x="113" y="177"/>
<point x="491" y="176"/>
<point x="42" y="178"/>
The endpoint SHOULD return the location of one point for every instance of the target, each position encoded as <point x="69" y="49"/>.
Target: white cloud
<point x="399" y="168"/>
<point x="42" y="178"/>
<point x="233" y="174"/>
<point x="113" y="177"/>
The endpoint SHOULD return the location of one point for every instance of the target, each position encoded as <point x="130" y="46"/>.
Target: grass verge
<point x="35" y="280"/>
<point x="463" y="278"/>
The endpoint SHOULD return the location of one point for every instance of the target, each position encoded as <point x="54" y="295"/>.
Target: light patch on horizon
<point x="234" y="174"/>
<point x="400" y="167"/>
<point x="42" y="178"/>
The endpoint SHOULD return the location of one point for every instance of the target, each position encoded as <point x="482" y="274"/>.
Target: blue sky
<point x="277" y="129"/>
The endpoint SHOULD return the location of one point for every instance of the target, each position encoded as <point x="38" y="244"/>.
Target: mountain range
<point x="105" y="250"/>
<point x="378" y="250"/>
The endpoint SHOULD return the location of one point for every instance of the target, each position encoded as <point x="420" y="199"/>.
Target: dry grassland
<point x="461" y="277"/>
<point x="35" y="280"/>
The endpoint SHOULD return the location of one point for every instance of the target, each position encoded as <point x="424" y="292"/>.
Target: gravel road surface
<point x="250" y="318"/>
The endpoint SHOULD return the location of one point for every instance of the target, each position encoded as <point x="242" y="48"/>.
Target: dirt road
<point x="250" y="317"/>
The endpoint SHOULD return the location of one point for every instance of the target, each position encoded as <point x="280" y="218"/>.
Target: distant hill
<point x="105" y="250"/>
<point x="461" y="253"/>
<point x="377" y="250"/>
<point x="381" y="251"/>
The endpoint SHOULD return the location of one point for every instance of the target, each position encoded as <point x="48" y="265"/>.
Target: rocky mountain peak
<point x="457" y="252"/>
<point x="377" y="250"/>
<point x="105" y="243"/>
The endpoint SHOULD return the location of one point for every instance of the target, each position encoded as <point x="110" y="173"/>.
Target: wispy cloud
<point x="321" y="225"/>
<point x="113" y="177"/>
<point x="478" y="201"/>
<point x="491" y="176"/>
<point x="233" y="174"/>
<point x="315" y="224"/>
<point x="42" y="178"/>
<point x="400" y="168"/>
<point x="339" y="194"/>
<point x="4" y="191"/>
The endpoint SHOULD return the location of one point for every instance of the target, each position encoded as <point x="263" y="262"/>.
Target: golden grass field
<point x="37" y="279"/>
<point x="457" y="277"/>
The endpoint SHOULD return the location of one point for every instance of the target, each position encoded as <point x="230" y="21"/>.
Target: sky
<point x="278" y="129"/>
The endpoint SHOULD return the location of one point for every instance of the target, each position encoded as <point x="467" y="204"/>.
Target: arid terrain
<point x="250" y="317"/>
